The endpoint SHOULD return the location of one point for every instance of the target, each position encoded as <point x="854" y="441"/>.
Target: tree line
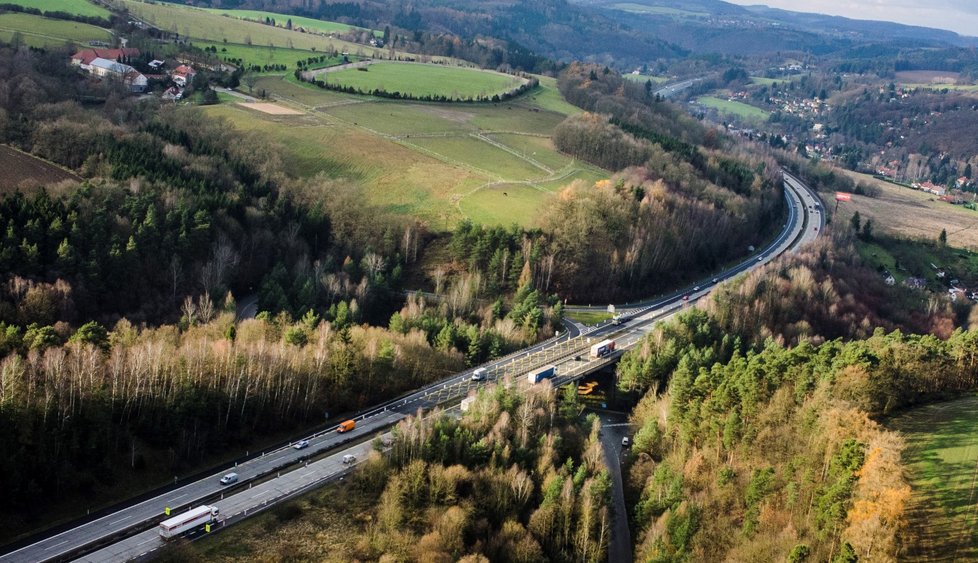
<point x="526" y="86"/>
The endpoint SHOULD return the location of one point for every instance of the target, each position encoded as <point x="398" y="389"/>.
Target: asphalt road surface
<point x="614" y="427"/>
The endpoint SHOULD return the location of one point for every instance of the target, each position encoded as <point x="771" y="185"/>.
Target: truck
<point x="192" y="519"/>
<point x="346" y="426"/>
<point x="602" y="349"/>
<point x="539" y="374"/>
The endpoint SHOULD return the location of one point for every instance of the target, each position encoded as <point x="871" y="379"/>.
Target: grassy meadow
<point x="258" y="55"/>
<point x="734" y="108"/>
<point x="942" y="458"/>
<point x="911" y="213"/>
<point x="425" y="80"/>
<point x="320" y="26"/>
<point x="38" y="31"/>
<point x="492" y="163"/>
<point x="76" y="7"/>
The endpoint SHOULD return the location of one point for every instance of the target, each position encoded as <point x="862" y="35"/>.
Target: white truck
<point x="192" y="519"/>
<point x="602" y="349"/>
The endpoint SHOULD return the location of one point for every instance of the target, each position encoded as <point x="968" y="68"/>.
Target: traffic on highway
<point x="312" y="460"/>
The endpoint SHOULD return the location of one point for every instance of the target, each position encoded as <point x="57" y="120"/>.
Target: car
<point x="716" y="280"/>
<point x="697" y="288"/>
<point x="348" y="459"/>
<point x="759" y="258"/>
<point x="229" y="479"/>
<point x="625" y="442"/>
<point x="685" y="298"/>
<point x="479" y="374"/>
<point x="301" y="444"/>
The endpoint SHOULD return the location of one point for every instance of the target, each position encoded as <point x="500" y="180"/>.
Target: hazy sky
<point x="957" y="15"/>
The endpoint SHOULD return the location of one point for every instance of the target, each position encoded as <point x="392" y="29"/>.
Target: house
<point x="962" y="182"/>
<point x="183" y="75"/>
<point x="889" y="280"/>
<point x="105" y="68"/>
<point x="156" y="64"/>
<point x="173" y="93"/>
<point x="85" y="57"/>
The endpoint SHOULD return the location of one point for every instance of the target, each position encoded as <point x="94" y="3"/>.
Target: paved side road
<point x="613" y="429"/>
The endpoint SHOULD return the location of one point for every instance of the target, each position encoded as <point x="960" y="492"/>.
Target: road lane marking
<point x="56" y="545"/>
<point x="120" y="520"/>
<point x="260" y="494"/>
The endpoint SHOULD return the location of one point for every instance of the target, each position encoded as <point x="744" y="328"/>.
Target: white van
<point x="229" y="478"/>
<point x="479" y="374"/>
<point x="348" y="459"/>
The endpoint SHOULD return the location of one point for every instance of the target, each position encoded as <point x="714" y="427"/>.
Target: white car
<point x="301" y="444"/>
<point x="229" y="478"/>
<point x="348" y="459"/>
<point x="625" y="442"/>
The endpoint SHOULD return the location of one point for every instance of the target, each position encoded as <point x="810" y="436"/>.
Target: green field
<point x="426" y="80"/>
<point x="953" y="87"/>
<point x="587" y="317"/>
<point x="197" y="23"/>
<point x="38" y="31"/>
<point x="321" y="26"/>
<point x="493" y="163"/>
<point x="738" y="109"/>
<point x="254" y="54"/>
<point x="770" y="81"/>
<point x="77" y="7"/>
<point x="941" y="456"/>
<point x="646" y="77"/>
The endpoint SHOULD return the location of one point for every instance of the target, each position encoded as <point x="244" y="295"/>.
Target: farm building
<point x="183" y="75"/>
<point x="85" y="57"/>
<point x="131" y="77"/>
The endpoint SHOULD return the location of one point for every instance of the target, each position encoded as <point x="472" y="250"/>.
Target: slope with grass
<point x="38" y="31"/>
<point x="281" y="20"/>
<point x="425" y="80"/>
<point x="942" y="458"/>
<point x="734" y="108"/>
<point x="491" y="163"/>
<point x="75" y="7"/>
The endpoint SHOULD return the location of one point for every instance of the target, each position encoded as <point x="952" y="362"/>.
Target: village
<point x="118" y="64"/>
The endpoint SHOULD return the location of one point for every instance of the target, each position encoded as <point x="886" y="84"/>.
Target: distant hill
<point x="707" y="26"/>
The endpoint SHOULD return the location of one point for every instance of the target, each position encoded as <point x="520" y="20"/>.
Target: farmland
<point x="281" y="20"/>
<point x="913" y="214"/>
<point x="942" y="458"/>
<point x="197" y="23"/>
<point x="493" y="163"/>
<point x="22" y="171"/>
<point x="76" y="7"/>
<point x="420" y="80"/>
<point x="38" y="31"/>
<point x="737" y="109"/>
<point x="258" y="55"/>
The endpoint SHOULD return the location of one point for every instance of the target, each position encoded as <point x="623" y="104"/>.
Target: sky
<point x="956" y="15"/>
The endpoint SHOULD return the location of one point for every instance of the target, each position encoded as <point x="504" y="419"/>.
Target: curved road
<point x="804" y="223"/>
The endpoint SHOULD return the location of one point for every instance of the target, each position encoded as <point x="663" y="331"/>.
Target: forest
<point x="758" y="434"/>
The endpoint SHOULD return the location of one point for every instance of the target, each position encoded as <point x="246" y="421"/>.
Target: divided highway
<point x="289" y="472"/>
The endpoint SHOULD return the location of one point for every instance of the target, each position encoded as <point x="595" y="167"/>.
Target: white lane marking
<point x="177" y="498"/>
<point x="260" y="494"/>
<point x="120" y="520"/>
<point x="55" y="545"/>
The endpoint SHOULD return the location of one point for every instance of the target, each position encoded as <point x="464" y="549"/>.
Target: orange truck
<point x="346" y="426"/>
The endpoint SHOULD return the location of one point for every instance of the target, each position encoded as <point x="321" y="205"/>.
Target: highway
<point x="292" y="473"/>
<point x="673" y="89"/>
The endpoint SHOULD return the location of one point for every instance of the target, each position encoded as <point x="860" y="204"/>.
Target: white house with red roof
<point x="183" y="75"/>
<point x="85" y="57"/>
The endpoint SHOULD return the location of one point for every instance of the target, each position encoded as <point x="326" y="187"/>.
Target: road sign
<point x="842" y="196"/>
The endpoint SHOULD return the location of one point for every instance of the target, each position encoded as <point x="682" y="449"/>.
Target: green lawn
<point x="197" y="23"/>
<point x="646" y="77"/>
<point x="734" y="108"/>
<point x="425" y="80"/>
<point x="505" y="204"/>
<point x="769" y="81"/>
<point x="657" y="10"/>
<point x="588" y="317"/>
<point x="77" y="7"/>
<point x="498" y="163"/>
<point x="941" y="456"/>
<point x="297" y="21"/>
<point x="258" y="55"/>
<point x="38" y="31"/>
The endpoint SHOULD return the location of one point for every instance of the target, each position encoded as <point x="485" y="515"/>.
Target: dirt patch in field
<point x="271" y="109"/>
<point x="928" y="76"/>
<point x="22" y="171"/>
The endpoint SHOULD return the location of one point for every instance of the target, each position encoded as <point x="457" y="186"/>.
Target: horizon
<point x="959" y="16"/>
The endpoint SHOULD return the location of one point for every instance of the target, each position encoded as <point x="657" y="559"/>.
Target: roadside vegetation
<point x="520" y="477"/>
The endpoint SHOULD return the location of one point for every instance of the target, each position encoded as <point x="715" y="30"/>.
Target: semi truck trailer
<point x="602" y="349"/>
<point x="190" y="520"/>
<point x="539" y="374"/>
